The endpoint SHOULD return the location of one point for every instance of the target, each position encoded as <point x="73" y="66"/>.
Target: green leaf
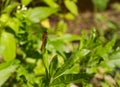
<point x="27" y="79"/>
<point x="66" y="38"/>
<point x="88" y="41"/>
<point x="76" y="56"/>
<point x="114" y="59"/>
<point x="71" y="78"/>
<point x="53" y="65"/>
<point x="104" y="50"/>
<point x="115" y="54"/>
<point x="51" y="3"/>
<point x="6" y="70"/>
<point x="73" y="70"/>
<point x="39" y="13"/>
<point x="61" y="27"/>
<point x="71" y="6"/>
<point x="4" y="18"/>
<point x="25" y="2"/>
<point x="45" y="60"/>
<point x="10" y="7"/>
<point x="110" y="44"/>
<point x="58" y="43"/>
<point x="83" y="39"/>
<point x="69" y="16"/>
<point x="14" y="24"/>
<point x="104" y="84"/>
<point x="100" y="4"/>
<point x="40" y="68"/>
<point x="8" y="43"/>
<point x="108" y="47"/>
<point x="91" y="39"/>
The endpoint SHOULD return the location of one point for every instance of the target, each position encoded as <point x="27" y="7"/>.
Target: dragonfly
<point x="44" y="38"/>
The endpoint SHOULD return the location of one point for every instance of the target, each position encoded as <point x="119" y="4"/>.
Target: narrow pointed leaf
<point x="53" y="65"/>
<point x="71" y="78"/>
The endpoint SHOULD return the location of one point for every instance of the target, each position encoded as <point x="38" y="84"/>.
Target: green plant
<point x="67" y="8"/>
<point x="61" y="61"/>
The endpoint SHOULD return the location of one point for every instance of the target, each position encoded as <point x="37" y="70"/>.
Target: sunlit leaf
<point x="25" y="2"/>
<point x="14" y="24"/>
<point x="40" y="68"/>
<point x="66" y="38"/>
<point x="4" y="18"/>
<point x="69" y="16"/>
<point x="71" y="6"/>
<point x="61" y="27"/>
<point x="51" y="3"/>
<point x="39" y="13"/>
<point x="8" y="43"/>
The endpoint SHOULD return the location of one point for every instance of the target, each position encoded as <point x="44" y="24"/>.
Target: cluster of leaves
<point x="61" y="62"/>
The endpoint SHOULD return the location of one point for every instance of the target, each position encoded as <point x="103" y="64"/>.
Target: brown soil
<point x="87" y="20"/>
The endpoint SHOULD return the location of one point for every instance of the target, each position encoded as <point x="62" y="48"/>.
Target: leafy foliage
<point x="61" y="62"/>
<point x="39" y="13"/>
